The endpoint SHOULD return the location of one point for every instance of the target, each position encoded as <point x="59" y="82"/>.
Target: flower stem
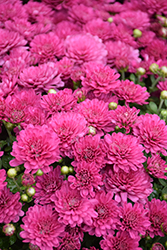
<point x="160" y="105"/>
<point x="123" y="74"/>
<point x="155" y="82"/>
<point x="17" y="185"/>
<point x="8" y="131"/>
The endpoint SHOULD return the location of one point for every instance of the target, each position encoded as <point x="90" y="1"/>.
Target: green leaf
<point x="5" y="161"/>
<point x="132" y="78"/>
<point x="165" y="103"/>
<point x="152" y="78"/>
<point x="11" y="185"/>
<point x="153" y="107"/>
<point x="163" y="182"/>
<point x="2" y="144"/>
<point x="164" y="190"/>
<point x="12" y="239"/>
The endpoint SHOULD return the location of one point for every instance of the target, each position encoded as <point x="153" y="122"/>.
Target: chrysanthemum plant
<point x="83" y="120"/>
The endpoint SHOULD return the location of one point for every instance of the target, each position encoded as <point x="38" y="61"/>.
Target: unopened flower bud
<point x="110" y="19"/>
<point x="33" y="247"/>
<point x="64" y="170"/>
<point x="30" y="191"/>
<point x="112" y="105"/>
<point x="117" y="128"/>
<point x="28" y="179"/>
<point x="39" y="172"/>
<point x="137" y="33"/>
<point x="60" y="161"/>
<point x="163" y="71"/>
<point x="92" y="130"/>
<point x="70" y="169"/>
<point x="154" y="68"/>
<point x="9" y="229"/>
<point x="141" y="71"/>
<point x="163" y="32"/>
<point x="80" y="96"/>
<point x="164" y="197"/>
<point x="164" y="227"/>
<point x="24" y="197"/>
<point x="157" y="246"/>
<point x="164" y="113"/>
<point x="162" y="20"/>
<point x="52" y="91"/>
<point x="163" y="95"/>
<point x="11" y="173"/>
<point x="10" y="126"/>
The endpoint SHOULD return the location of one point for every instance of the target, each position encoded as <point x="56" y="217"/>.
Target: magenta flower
<point x="65" y="65"/>
<point x="156" y="167"/>
<point x="135" y="185"/>
<point x="124" y="152"/>
<point x="131" y="92"/>
<point x="87" y="179"/>
<point x="97" y="115"/>
<point x="125" y="117"/>
<point x="41" y="227"/>
<point x="2" y="179"/>
<point x="89" y="149"/>
<point x="121" y="241"/>
<point x="46" y="185"/>
<point x="66" y="28"/>
<point x="134" y="219"/>
<point x="10" y="207"/>
<point x="107" y="220"/>
<point x="100" y="79"/>
<point x="72" y="208"/>
<point x="152" y="133"/>
<point x="69" y="127"/>
<point x="162" y="85"/>
<point x="90" y="49"/>
<point x="27" y="179"/>
<point x="36" y="147"/>
<point x="34" y="116"/>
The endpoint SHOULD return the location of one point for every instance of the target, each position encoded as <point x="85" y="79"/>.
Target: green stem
<point x="123" y="75"/>
<point x="160" y="104"/>
<point x="8" y="131"/>
<point x="17" y="185"/>
<point x="155" y="82"/>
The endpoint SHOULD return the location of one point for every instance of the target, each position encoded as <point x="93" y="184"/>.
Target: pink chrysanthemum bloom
<point x="27" y="179"/>
<point x="133" y="19"/>
<point x="2" y="179"/>
<point x="46" y="47"/>
<point x="41" y="227"/>
<point x="135" y="185"/>
<point x="157" y="167"/>
<point x="66" y="28"/>
<point x="9" y="40"/>
<point x="122" y="241"/>
<point x="65" y="66"/>
<point x="97" y="115"/>
<point x="34" y="116"/>
<point x="155" y="7"/>
<point x="85" y="48"/>
<point x="152" y="133"/>
<point x="97" y="27"/>
<point x="103" y="97"/>
<point x="59" y="4"/>
<point x="125" y="117"/>
<point x="99" y="79"/>
<point x="121" y="55"/>
<point x="146" y="39"/>
<point x="107" y="219"/>
<point x="157" y="215"/>
<point x="134" y="219"/>
<point x="41" y="78"/>
<point x="162" y="85"/>
<point x="124" y="152"/>
<point x="156" y="49"/>
<point x="131" y="92"/>
<point x="63" y="100"/>
<point x="87" y="179"/>
<point x="72" y="208"/>
<point x="69" y="127"/>
<point x="46" y="185"/>
<point x="36" y="147"/>
<point x="10" y="207"/>
<point x="90" y="149"/>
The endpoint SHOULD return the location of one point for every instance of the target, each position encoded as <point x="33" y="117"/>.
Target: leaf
<point x="164" y="190"/>
<point x="11" y="185"/>
<point x="163" y="182"/>
<point x="152" y="78"/>
<point x="5" y="161"/>
<point x="165" y="103"/>
<point x="2" y="144"/>
<point x="12" y="239"/>
<point x="153" y="107"/>
<point x="132" y="78"/>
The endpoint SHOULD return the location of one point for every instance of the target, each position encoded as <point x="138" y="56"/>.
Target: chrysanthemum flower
<point x="85" y="48"/>
<point x="99" y="79"/>
<point x="124" y="152"/>
<point x="152" y="133"/>
<point x="2" y="179"/>
<point x="97" y="115"/>
<point x="107" y="220"/>
<point x="65" y="66"/>
<point x="122" y="241"/>
<point x="134" y="219"/>
<point x="124" y="117"/>
<point x="66" y="28"/>
<point x="46" y="185"/>
<point x="162" y="85"/>
<point x="135" y="185"/>
<point x="41" y="227"/>
<point x="157" y="215"/>
<point x="72" y="208"/>
<point x="27" y="179"/>
<point x="154" y="7"/>
<point x="131" y="92"/>
<point x="87" y="179"/>
<point x="10" y="207"/>
<point x="34" y="116"/>
<point x="69" y="127"/>
<point x="156" y="167"/>
<point x="36" y="147"/>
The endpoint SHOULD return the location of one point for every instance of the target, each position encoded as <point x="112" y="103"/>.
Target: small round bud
<point x="39" y="172"/>
<point x="166" y="244"/>
<point x="10" y="126"/>
<point x="163" y="71"/>
<point x="154" y="68"/>
<point x="113" y="105"/>
<point x="163" y="32"/>
<point x="60" y="161"/>
<point x="164" y="197"/>
<point x="70" y="169"/>
<point x="137" y="33"/>
<point x="110" y="19"/>
<point x="80" y="96"/>
<point x="11" y="173"/>
<point x="30" y="191"/>
<point x="163" y="95"/>
<point x="64" y="170"/>
<point x="164" y="113"/>
<point x="52" y="91"/>
<point x="27" y="179"/>
<point x="92" y="130"/>
<point x="33" y="247"/>
<point x="141" y="71"/>
<point x="9" y="229"/>
<point x="161" y="19"/>
<point x="24" y="197"/>
<point x="157" y="246"/>
<point x="148" y="237"/>
<point x="117" y="128"/>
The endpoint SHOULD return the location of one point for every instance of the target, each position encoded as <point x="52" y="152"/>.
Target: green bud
<point x="9" y="229"/>
<point x="113" y="105"/>
<point x="137" y="33"/>
<point x="70" y="169"/>
<point x="141" y="71"/>
<point x="163" y="95"/>
<point x="163" y="71"/>
<point x="24" y="197"/>
<point x="39" y="172"/>
<point x="52" y="91"/>
<point x="164" y="113"/>
<point x="11" y="173"/>
<point x="110" y="19"/>
<point x="154" y="68"/>
<point x="64" y="170"/>
<point x="92" y="130"/>
<point x="30" y="191"/>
